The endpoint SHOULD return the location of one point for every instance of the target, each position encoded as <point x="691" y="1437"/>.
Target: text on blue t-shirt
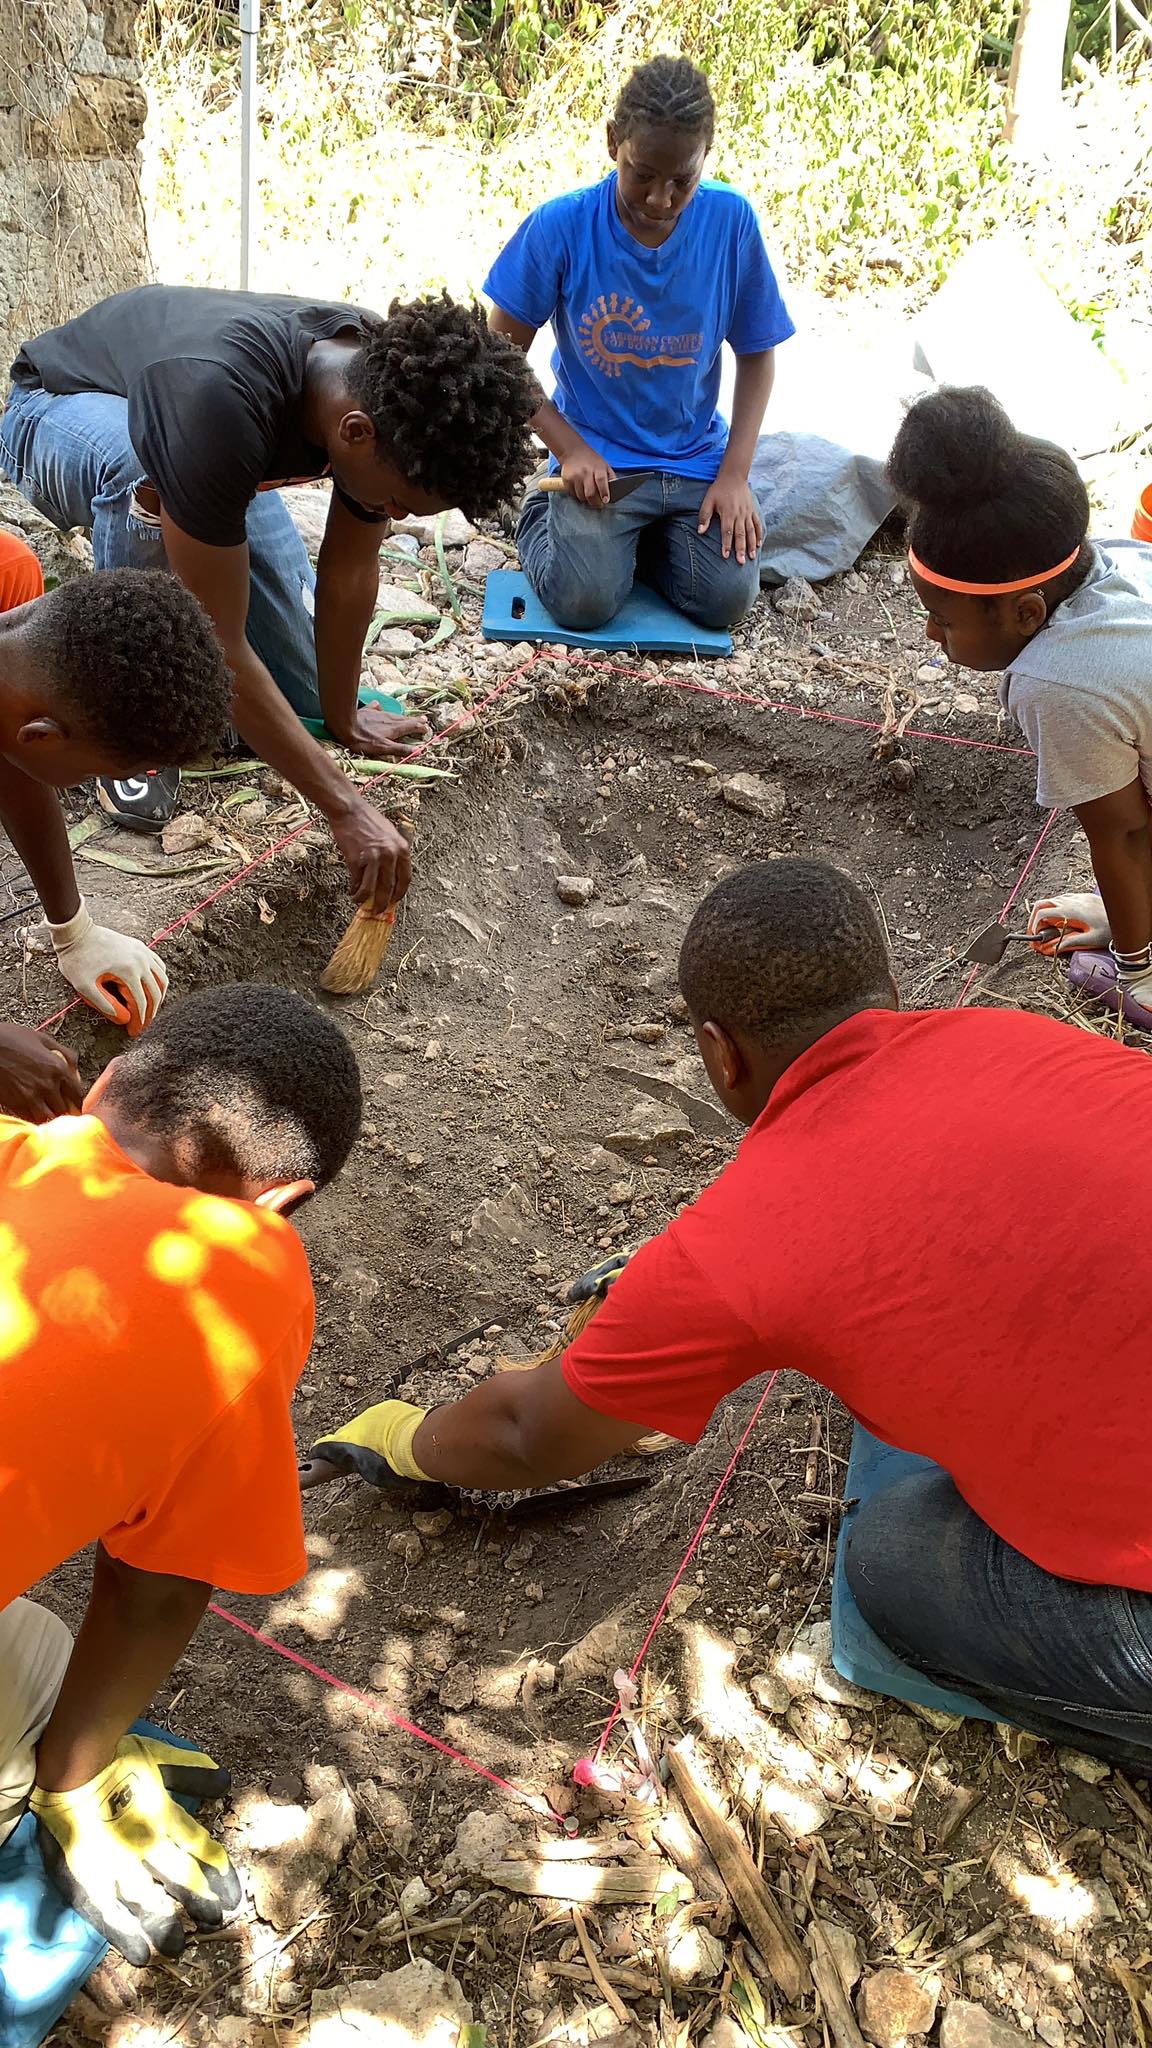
<point x="639" y="331"/>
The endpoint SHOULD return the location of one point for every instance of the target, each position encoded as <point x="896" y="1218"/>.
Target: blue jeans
<point x="582" y="561"/>
<point x="1064" y="1660"/>
<point x="72" y="459"/>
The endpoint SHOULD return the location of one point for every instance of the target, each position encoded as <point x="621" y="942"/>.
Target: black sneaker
<point x="141" y="803"/>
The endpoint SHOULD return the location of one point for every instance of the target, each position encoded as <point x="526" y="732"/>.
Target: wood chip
<point x="636" y="1884"/>
<point x="833" y="1997"/>
<point x="963" y="1802"/>
<point x="1131" y="1797"/>
<point x="632" y="1983"/>
<point x="753" y="1901"/>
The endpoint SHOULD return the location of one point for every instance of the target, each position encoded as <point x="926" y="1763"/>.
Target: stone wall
<point x="71" y="116"/>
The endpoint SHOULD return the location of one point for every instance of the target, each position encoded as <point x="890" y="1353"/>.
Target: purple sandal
<point x="1096" y="974"/>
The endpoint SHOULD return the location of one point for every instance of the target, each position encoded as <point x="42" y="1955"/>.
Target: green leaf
<point x="444" y="631"/>
<point x="86" y="829"/>
<point x="442" y="565"/>
<point x="127" y="866"/>
<point x="414" y="770"/>
<point x="222" y="771"/>
<point x="240" y="796"/>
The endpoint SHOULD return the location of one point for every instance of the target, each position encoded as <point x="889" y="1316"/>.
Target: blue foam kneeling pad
<point x="47" y="1951"/>
<point x="645" y="621"/>
<point x="857" y="1651"/>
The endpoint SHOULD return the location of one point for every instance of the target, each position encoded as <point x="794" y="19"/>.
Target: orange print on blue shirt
<point x="616" y="332"/>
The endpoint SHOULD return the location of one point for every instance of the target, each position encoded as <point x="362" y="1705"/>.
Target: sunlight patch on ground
<point x="319" y="1603"/>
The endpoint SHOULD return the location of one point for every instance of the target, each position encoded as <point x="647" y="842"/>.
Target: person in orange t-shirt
<point x="21" y="577"/>
<point x="156" y="1310"/>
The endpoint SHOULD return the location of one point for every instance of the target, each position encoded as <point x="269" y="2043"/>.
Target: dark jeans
<point x="1066" y="1661"/>
<point x="582" y="560"/>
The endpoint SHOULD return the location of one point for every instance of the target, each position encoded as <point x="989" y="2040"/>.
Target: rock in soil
<point x="845" y="1951"/>
<point x="575" y="889"/>
<point x="291" y="1851"/>
<point x="502" y="1220"/>
<point x="414" y="1898"/>
<point x="649" y="1124"/>
<point x="893" y="2004"/>
<point x="726" y="2034"/>
<point x="970" y="2026"/>
<point x="772" y="1694"/>
<point x="481" y="557"/>
<point x="416" y="2007"/>
<point x="185" y="833"/>
<point x="754" y="796"/>
<point x="696" y="1957"/>
<point x="796" y="599"/>
<point x="481" y="1838"/>
<point x="600" y="1651"/>
<point x="458" y="531"/>
<point x="807" y="1668"/>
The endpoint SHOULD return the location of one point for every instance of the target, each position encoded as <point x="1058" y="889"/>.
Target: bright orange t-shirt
<point x="151" y="1338"/>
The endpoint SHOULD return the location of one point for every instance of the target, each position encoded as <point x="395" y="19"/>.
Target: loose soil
<point x="508" y="1056"/>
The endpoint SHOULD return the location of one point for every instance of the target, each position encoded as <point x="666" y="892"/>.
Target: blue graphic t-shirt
<point x="639" y="331"/>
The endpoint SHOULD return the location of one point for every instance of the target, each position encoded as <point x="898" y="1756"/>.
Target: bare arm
<point x="31" y="816"/>
<point x="516" y="1430"/>
<point x="135" y="1626"/>
<point x="375" y="852"/>
<point x="1118" y="831"/>
<point x="347" y="580"/>
<point x="730" y="498"/>
<point x="586" y="473"/>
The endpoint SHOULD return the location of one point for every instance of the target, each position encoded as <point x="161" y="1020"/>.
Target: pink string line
<point x="689" y="1554"/>
<point x="457" y="1756"/>
<point x="946" y="739"/>
<point x="1021" y="878"/>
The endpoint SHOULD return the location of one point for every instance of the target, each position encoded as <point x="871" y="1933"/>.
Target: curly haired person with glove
<point x="106" y="675"/>
<point x="171" y="1195"/>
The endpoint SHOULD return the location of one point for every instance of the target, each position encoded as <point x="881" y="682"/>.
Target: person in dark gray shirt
<point x="164" y="418"/>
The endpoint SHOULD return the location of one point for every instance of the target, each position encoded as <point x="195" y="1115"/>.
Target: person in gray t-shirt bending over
<point x="999" y="555"/>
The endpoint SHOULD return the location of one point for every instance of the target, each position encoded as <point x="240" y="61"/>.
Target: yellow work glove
<point x="377" y="1444"/>
<point x="104" y="1843"/>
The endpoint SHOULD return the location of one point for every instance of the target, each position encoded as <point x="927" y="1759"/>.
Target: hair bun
<point x="956" y="448"/>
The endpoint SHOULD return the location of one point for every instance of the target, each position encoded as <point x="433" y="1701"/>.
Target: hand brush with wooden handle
<point x="360" y="955"/>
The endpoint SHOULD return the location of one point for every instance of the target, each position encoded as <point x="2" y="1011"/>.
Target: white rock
<point x="414" y="1898"/>
<point x="576" y="890"/>
<point x="394" y="640"/>
<point x="1092" y="1769"/>
<point x="845" y="1952"/>
<point x="965" y="2025"/>
<point x="502" y="1220"/>
<point x="796" y="599"/>
<point x="965" y="702"/>
<point x="726" y="2034"/>
<point x="458" y="531"/>
<point x="416" y="2007"/>
<point x="650" y="1124"/>
<point x="808" y="1668"/>
<point x="481" y="557"/>
<point x="399" y="604"/>
<point x="755" y="797"/>
<point x="696" y="1957"/>
<point x="481" y="1838"/>
<point x="308" y="509"/>
<point x="771" y="1693"/>
<point x="291" y="1850"/>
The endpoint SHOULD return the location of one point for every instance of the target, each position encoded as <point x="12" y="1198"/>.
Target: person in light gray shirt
<point x="999" y="555"/>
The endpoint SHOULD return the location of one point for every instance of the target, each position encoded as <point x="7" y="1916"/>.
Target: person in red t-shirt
<point x="900" y="1224"/>
<point x="156" y="1310"/>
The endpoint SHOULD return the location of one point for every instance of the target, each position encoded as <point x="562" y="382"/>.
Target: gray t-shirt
<point x="1082" y="689"/>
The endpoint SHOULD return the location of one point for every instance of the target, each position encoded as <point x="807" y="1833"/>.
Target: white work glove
<point x="1070" y="924"/>
<point x="120" y="977"/>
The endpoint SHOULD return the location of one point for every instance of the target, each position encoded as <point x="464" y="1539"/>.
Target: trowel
<point x="988" y="947"/>
<point x="620" y="486"/>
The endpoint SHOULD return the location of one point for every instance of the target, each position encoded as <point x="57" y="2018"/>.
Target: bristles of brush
<point x="359" y="956"/>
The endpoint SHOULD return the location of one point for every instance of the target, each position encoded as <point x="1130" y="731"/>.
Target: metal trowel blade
<point x="987" y="948"/>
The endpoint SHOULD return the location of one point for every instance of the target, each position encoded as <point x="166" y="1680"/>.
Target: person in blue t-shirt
<point x="643" y="277"/>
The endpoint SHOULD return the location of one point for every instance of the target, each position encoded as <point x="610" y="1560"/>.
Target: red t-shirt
<point x="941" y="1216"/>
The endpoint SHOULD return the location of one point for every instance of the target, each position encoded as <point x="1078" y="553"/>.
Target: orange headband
<point x="990" y="589"/>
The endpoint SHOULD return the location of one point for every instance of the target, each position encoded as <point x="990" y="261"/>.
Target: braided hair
<point x="667" y="92"/>
<point x="984" y="502"/>
<point x="449" y="400"/>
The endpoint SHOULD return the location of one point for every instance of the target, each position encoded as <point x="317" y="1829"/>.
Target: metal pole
<point x="249" y="51"/>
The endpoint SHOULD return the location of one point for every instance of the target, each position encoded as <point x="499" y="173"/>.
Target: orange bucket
<point x="1142" y="523"/>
